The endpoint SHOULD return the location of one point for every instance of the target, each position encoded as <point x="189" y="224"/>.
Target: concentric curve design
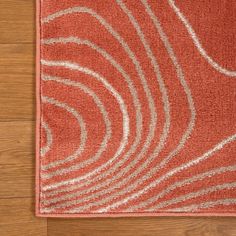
<point x="137" y="109"/>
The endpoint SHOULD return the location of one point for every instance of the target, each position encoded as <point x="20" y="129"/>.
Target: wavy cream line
<point x="174" y="152"/>
<point x="172" y="187"/>
<point x="130" y="54"/>
<point x="208" y="204"/>
<point x="49" y="138"/>
<point x="196" y="194"/>
<point x="183" y="82"/>
<point x="179" y="184"/>
<point x="188" y="196"/>
<point x="183" y="139"/>
<point x="155" y="198"/>
<point x="104" y="113"/>
<point x="167" y="190"/>
<point x="124" y="141"/>
<point x="165" y="101"/>
<point x="133" y="92"/>
<point x="174" y="171"/>
<point x="80" y="120"/>
<point x="159" y="147"/>
<point x="197" y="42"/>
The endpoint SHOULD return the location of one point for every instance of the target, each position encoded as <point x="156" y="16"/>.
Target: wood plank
<point x="16" y="181"/>
<point x="15" y="10"/>
<point x="17" y="97"/>
<point x="17" y="82"/>
<point x="16" y="159"/>
<point x="16" y="59"/>
<point x="17" y="21"/>
<point x="161" y="226"/>
<point x="17" y="143"/>
<point x="17" y="218"/>
<point x="17" y="103"/>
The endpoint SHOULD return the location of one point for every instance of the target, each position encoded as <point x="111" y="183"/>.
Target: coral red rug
<point x="136" y="108"/>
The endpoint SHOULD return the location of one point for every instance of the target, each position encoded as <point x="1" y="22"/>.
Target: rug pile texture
<point x="136" y="108"/>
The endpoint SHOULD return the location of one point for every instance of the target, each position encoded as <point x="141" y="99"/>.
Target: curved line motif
<point x="191" y="107"/>
<point x="131" y="55"/>
<point x="103" y="111"/>
<point x="178" y="184"/>
<point x="154" y="183"/>
<point x="165" y="191"/>
<point x="124" y="141"/>
<point x="189" y="196"/>
<point x="158" y="148"/>
<point x="127" y="49"/>
<point x="208" y="204"/>
<point x="129" y="181"/>
<point x="196" y="194"/>
<point x="197" y="42"/>
<point x="132" y="89"/>
<point x="49" y="138"/>
<point x="164" y="96"/>
<point x="174" y="171"/>
<point x="83" y="135"/>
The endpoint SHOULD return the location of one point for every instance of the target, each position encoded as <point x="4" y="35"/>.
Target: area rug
<point x="136" y="108"/>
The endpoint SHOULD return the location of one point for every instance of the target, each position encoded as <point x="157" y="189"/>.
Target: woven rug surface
<point x="136" y="108"/>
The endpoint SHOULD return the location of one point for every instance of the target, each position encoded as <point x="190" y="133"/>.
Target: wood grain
<point x="16" y="120"/>
<point x="17" y="218"/>
<point x="17" y="82"/>
<point x="153" y="226"/>
<point x="16" y="159"/>
<point x="17" y="99"/>
<point x="17" y="181"/>
<point x="17" y="21"/>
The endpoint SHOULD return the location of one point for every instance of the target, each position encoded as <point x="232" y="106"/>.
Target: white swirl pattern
<point x="135" y="166"/>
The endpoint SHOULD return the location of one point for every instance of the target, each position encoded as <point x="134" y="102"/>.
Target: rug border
<point x="37" y="149"/>
<point x="38" y="105"/>
<point x="135" y="215"/>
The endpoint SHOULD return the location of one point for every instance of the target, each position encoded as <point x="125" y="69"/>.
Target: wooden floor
<point x="17" y="121"/>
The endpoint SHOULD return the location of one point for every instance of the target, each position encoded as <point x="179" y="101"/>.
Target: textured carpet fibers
<point x="136" y="108"/>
